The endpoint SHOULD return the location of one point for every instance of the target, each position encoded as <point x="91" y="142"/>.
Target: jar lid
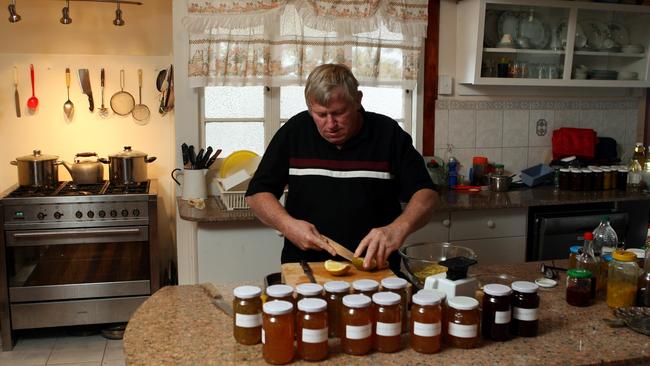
<point x="279" y="290"/>
<point x="356" y="301"/>
<point x="394" y="283"/>
<point x="365" y="285"/>
<point x="247" y="292"/>
<point x="588" y="235"/>
<point x="605" y="169"/>
<point x="640" y="253"/>
<point x="597" y="170"/>
<point x="575" y="170"/>
<point x="424" y="298"/>
<point x="37" y="156"/>
<point x="337" y="286"/>
<point x="575" y="249"/>
<point x="277" y="307"/>
<point x="607" y="257"/>
<point x="441" y="294"/>
<point x="498" y="166"/>
<point x="565" y="170"/>
<point x="586" y="171"/>
<point x="495" y="289"/>
<point x="623" y="170"/>
<point x="463" y="303"/>
<point x="525" y="287"/>
<point x="579" y="273"/>
<point x="479" y="160"/>
<point x="312" y="305"/>
<point x="386" y="298"/>
<point x="624" y="256"/>
<point x="309" y="289"/>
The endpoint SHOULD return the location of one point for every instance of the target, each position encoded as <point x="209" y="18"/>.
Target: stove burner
<point x="71" y="189"/>
<point x="32" y="192"/>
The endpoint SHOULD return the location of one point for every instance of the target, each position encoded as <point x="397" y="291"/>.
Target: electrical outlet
<point x="445" y="85"/>
<point x="542" y="127"/>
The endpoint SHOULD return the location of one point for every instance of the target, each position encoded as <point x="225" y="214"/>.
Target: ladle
<point x="32" y="102"/>
<point x="68" y="107"/>
<point x="103" y="111"/>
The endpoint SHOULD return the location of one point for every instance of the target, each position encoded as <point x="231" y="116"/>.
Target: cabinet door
<point x="437" y="230"/>
<point x="496" y="223"/>
<point x="497" y="250"/>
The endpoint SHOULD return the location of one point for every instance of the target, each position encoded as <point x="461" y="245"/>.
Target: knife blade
<point x="16" y="98"/>
<point x="223" y="305"/>
<point x="340" y="249"/>
<point x="84" y="79"/>
<point x="308" y="272"/>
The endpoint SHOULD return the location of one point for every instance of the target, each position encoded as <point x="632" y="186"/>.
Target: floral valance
<point x="278" y="42"/>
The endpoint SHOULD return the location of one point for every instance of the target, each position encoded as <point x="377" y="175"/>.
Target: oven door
<point x="80" y="263"/>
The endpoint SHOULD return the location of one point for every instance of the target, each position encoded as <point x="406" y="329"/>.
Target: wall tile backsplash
<point x="518" y="133"/>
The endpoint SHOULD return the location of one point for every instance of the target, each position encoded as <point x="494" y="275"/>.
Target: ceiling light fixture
<point x="13" y="16"/>
<point x="65" y="19"/>
<point x="118" y="16"/>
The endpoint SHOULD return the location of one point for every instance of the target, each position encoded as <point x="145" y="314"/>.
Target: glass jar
<point x="643" y="285"/>
<point x="334" y="292"/>
<point x="365" y="287"/>
<point x="307" y="290"/>
<point x="387" y="321"/>
<point x="497" y="312"/>
<point x="426" y="323"/>
<point x="312" y="329"/>
<point x="578" y="287"/>
<point x="587" y="180"/>
<point x="499" y="169"/>
<point x="278" y="332"/>
<point x="525" y="309"/>
<point x="607" y="179"/>
<point x="598" y="179"/>
<point x="622" y="279"/>
<point x="565" y="177"/>
<point x="463" y="327"/>
<point x="574" y="251"/>
<point x="400" y="287"/>
<point x="576" y="179"/>
<point x="605" y="259"/>
<point x="280" y="292"/>
<point x="621" y="179"/>
<point x="247" y="322"/>
<point x="357" y="323"/>
<point x="479" y="171"/>
<point x="443" y="309"/>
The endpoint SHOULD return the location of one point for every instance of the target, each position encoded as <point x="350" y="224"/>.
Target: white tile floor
<point x="55" y="347"/>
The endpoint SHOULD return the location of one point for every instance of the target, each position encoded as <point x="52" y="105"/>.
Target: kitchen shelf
<point x="610" y="54"/>
<point x="522" y="51"/>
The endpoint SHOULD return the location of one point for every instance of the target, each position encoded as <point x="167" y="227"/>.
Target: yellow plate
<point x="237" y="161"/>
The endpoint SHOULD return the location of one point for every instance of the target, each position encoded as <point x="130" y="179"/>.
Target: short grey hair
<point x="327" y="77"/>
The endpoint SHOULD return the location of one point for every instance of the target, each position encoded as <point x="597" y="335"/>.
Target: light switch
<point x="444" y="85"/>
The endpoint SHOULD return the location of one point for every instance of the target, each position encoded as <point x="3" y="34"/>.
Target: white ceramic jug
<point x="194" y="185"/>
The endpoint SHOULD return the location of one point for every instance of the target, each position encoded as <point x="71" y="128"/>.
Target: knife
<point x="185" y="152"/>
<point x="308" y="272"/>
<point x="212" y="159"/>
<point x="16" y="98"/>
<point x="206" y="157"/>
<point x="347" y="254"/>
<point x="223" y="305"/>
<point x="199" y="158"/>
<point x="84" y="79"/>
<point x="192" y="157"/>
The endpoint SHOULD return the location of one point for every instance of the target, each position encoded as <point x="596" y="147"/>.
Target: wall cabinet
<point x="552" y="43"/>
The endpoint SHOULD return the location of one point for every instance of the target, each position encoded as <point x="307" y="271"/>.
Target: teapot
<point x="85" y="171"/>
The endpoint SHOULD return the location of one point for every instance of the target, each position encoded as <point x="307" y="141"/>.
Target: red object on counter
<point x="580" y="142"/>
<point x="462" y="187"/>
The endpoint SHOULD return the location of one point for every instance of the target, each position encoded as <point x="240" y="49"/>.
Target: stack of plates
<point x="603" y="74"/>
<point x="628" y="75"/>
<point x="633" y="48"/>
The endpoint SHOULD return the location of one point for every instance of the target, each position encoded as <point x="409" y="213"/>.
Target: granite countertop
<point x="179" y="325"/>
<point x="215" y="210"/>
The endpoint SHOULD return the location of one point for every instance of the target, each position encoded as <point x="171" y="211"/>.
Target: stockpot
<point x="38" y="170"/>
<point x="128" y="166"/>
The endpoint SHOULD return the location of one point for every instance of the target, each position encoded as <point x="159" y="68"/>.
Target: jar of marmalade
<point x="426" y="324"/>
<point x="305" y="290"/>
<point x="525" y="309"/>
<point x="496" y="312"/>
<point x="312" y="329"/>
<point x="400" y="287"/>
<point x="247" y="322"/>
<point x="277" y="332"/>
<point x="443" y="309"/>
<point x="357" y="324"/>
<point x="280" y="292"/>
<point x="463" y="327"/>
<point x="578" y="287"/>
<point x="334" y="292"/>
<point x="387" y="321"/>
<point x="365" y="287"/>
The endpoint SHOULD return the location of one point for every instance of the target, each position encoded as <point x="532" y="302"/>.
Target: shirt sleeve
<point x="412" y="172"/>
<point x="273" y="171"/>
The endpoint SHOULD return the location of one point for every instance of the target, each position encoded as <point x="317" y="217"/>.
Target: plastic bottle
<point x="452" y="166"/>
<point x="605" y="238"/>
<point x="587" y="260"/>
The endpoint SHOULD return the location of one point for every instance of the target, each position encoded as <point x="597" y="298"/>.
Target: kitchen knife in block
<point x="347" y="254"/>
<point x="84" y="79"/>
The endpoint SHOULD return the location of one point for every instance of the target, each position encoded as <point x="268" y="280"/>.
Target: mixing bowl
<point x="420" y="259"/>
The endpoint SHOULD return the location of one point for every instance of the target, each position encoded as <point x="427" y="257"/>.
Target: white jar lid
<point x="525" y="287"/>
<point x="312" y="305"/>
<point x="247" y="292"/>
<point x="394" y="283"/>
<point x="597" y="170"/>
<point x="565" y="170"/>
<point x="309" y="289"/>
<point x="365" y="285"/>
<point x="586" y="171"/>
<point x="495" y="289"/>
<point x="441" y="294"/>
<point x="356" y="301"/>
<point x="386" y="298"/>
<point x="277" y="307"/>
<point x="463" y="303"/>
<point x="623" y="170"/>
<point x="279" y="291"/>
<point x="337" y="286"/>
<point x="424" y="298"/>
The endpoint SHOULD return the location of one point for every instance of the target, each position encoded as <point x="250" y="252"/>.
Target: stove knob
<point x="125" y="213"/>
<point x="136" y="212"/>
<point x="113" y="213"/>
<point x="90" y="214"/>
<point x="57" y="215"/>
<point x="78" y="214"/>
<point x="41" y="216"/>
<point x="102" y="213"/>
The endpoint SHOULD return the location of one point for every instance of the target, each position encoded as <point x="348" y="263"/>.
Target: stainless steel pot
<point x="85" y="171"/>
<point x="500" y="183"/>
<point x="128" y="166"/>
<point x="37" y="170"/>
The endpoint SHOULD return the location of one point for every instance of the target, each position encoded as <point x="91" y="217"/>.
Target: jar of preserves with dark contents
<point x="357" y="325"/>
<point x="576" y="179"/>
<point x="387" y="321"/>
<point x="598" y="179"/>
<point x="334" y="292"/>
<point x="525" y="309"/>
<point x="278" y="332"/>
<point x="400" y="287"/>
<point x="312" y="329"/>
<point x="565" y="177"/>
<point x="621" y="179"/>
<point x="307" y="290"/>
<point x="463" y="327"/>
<point x="607" y="179"/>
<point x="247" y="322"/>
<point x="365" y="287"/>
<point x="497" y="312"/>
<point x="426" y="323"/>
<point x="578" y="287"/>
<point x="587" y="180"/>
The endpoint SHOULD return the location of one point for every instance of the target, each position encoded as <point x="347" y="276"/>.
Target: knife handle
<point x="15" y="76"/>
<point x="91" y="103"/>
<point x="67" y="77"/>
<point x="102" y="77"/>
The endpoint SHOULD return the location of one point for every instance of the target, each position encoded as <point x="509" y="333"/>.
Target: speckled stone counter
<point x="214" y="211"/>
<point x="179" y="325"/>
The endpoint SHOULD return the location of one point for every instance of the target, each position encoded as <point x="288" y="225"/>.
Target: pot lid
<point x="37" y="156"/>
<point x="128" y="153"/>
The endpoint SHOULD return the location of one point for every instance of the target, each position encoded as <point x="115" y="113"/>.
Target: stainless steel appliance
<point x="77" y="254"/>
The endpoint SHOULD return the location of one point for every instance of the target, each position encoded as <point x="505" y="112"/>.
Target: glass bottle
<point x="387" y="321"/>
<point x="464" y="322"/>
<point x="400" y="287"/>
<point x="587" y="260"/>
<point x="622" y="279"/>
<point x="357" y="324"/>
<point x="639" y="153"/>
<point x="645" y="175"/>
<point x="525" y="309"/>
<point x="634" y="175"/>
<point x="247" y="322"/>
<point x="426" y="319"/>
<point x="497" y="312"/>
<point x="334" y="292"/>
<point x="643" y="284"/>
<point x="605" y="238"/>
<point x="278" y="332"/>
<point x="578" y="287"/>
<point x="312" y="329"/>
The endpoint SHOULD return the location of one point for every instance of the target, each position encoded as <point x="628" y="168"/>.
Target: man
<point x="346" y="171"/>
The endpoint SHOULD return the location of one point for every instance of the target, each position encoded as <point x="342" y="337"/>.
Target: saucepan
<point x="37" y="170"/>
<point x="500" y="183"/>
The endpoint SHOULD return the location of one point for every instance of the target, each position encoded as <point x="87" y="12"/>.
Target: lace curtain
<point x="278" y="42"/>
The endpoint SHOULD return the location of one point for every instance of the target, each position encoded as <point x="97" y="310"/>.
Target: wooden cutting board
<point x="292" y="274"/>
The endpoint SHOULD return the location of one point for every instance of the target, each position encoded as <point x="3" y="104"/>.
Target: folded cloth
<point x="198" y="203"/>
<point x="580" y="142"/>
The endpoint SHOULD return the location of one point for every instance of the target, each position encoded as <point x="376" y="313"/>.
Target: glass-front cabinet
<point x="553" y="43"/>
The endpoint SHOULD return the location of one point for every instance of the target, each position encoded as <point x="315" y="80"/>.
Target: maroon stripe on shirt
<point x="380" y="166"/>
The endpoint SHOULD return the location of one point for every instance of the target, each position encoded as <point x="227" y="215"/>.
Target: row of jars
<point x="593" y="178"/>
<point x="375" y="320"/>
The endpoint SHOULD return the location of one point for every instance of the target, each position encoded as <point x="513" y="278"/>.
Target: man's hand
<point x="379" y="244"/>
<point x="305" y="236"/>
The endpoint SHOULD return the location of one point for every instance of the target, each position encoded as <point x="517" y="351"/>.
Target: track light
<point x="65" y="19"/>
<point x="13" y="16"/>
<point x="118" y="16"/>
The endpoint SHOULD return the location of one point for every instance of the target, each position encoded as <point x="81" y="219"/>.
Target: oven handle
<point x="40" y="234"/>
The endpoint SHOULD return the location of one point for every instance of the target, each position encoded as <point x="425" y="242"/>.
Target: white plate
<point x="536" y="31"/>
<point x="597" y="33"/>
<point x="619" y="34"/>
<point x="561" y="34"/>
<point x="509" y="24"/>
<point x="491" y="35"/>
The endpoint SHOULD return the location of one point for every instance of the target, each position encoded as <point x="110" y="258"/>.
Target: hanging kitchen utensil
<point x="103" y="111"/>
<point x="164" y="86"/>
<point x="122" y="102"/>
<point x="68" y="106"/>
<point x="32" y="102"/>
<point x="84" y="79"/>
<point x="16" y="98"/>
<point x="169" y="101"/>
<point x="162" y="75"/>
<point x="140" y="111"/>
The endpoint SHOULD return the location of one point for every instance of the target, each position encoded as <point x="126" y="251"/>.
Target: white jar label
<point x="248" y="320"/>
<point x="358" y="331"/>
<point x="502" y="317"/>
<point x="525" y="314"/>
<point x="389" y="329"/>
<point x="263" y="338"/>
<point x="426" y="329"/>
<point x="314" y="335"/>
<point x="463" y="331"/>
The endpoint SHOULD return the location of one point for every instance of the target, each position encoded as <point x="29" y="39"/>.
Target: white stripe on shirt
<point x="340" y="174"/>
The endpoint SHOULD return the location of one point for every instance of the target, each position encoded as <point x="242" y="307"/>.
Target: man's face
<point x="340" y="120"/>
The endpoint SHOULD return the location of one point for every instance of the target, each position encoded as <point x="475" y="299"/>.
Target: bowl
<point x="420" y="257"/>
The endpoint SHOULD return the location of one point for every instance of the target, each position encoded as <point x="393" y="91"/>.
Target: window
<point x="245" y="118"/>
